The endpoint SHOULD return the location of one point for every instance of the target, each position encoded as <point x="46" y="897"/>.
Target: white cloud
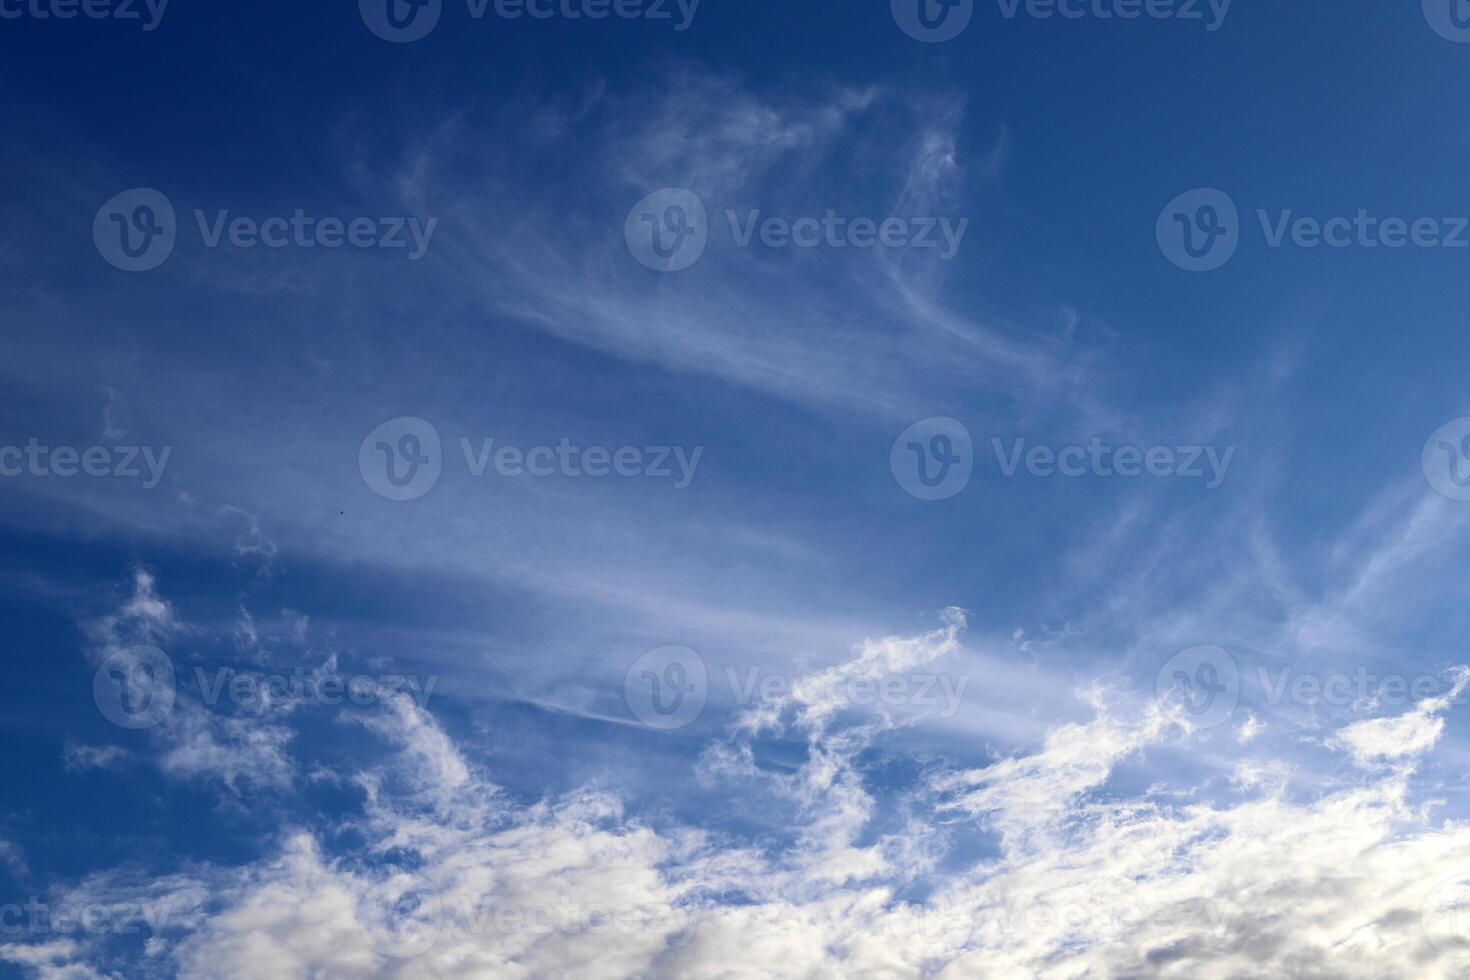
<point x="766" y="325"/>
<point x="1083" y="885"/>
<point x="193" y="740"/>
<point x="78" y="757"/>
<point x="144" y="617"/>
<point x="1089" y="877"/>
<point x="50" y="961"/>
<point x="13" y="858"/>
<point x="240" y="751"/>
<point x="1410" y="735"/>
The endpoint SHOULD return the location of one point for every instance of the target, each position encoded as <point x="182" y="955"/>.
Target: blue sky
<point x="791" y="688"/>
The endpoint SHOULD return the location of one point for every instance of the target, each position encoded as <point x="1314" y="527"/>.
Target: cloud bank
<point x="1087" y="875"/>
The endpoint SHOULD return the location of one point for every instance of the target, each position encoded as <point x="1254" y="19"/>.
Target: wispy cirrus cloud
<point x="834" y="329"/>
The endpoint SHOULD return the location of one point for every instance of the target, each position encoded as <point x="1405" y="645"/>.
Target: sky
<point x="656" y="488"/>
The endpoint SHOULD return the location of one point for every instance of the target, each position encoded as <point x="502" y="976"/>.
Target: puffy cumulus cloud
<point x="1340" y="885"/>
<point x="290" y="917"/>
<point x="1088" y="877"/>
<point x="49" y="961"/>
<point x="452" y="883"/>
